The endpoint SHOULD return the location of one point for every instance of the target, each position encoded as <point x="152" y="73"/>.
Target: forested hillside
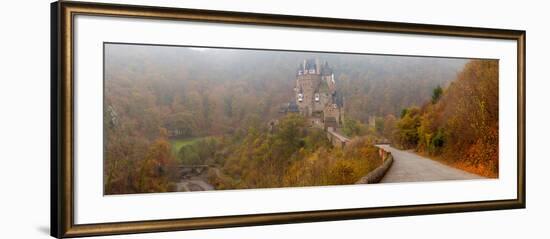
<point x="459" y="125"/>
<point x="221" y="101"/>
<point x="212" y="91"/>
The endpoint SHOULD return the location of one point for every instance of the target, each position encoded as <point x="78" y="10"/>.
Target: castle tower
<point x="307" y="80"/>
<point x="328" y="77"/>
<point x="316" y="94"/>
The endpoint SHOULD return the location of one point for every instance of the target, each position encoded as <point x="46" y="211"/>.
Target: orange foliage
<point x="127" y="171"/>
<point x="461" y="126"/>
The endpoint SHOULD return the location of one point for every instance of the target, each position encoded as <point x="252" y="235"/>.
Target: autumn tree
<point x="389" y="127"/>
<point x="471" y="107"/>
<point x="407" y="134"/>
<point x="154" y="170"/>
<point x="436" y="94"/>
<point x="353" y="127"/>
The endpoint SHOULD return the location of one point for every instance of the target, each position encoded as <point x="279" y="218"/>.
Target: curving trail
<point x="191" y="185"/>
<point x="410" y="167"/>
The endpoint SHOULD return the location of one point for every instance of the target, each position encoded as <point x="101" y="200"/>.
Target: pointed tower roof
<point x="310" y="64"/>
<point x="326" y="70"/>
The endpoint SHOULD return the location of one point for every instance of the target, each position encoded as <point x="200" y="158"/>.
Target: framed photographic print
<point x="172" y="119"/>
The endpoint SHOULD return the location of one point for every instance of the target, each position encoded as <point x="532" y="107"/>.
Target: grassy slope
<point x="178" y="143"/>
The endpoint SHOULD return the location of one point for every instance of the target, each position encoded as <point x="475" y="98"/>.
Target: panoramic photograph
<point x="187" y="118"/>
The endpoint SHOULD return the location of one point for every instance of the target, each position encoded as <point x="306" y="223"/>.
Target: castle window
<point x="317" y="97"/>
<point x="300" y="97"/>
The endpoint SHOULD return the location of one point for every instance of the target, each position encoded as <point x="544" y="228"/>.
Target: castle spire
<point x="326" y="70"/>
